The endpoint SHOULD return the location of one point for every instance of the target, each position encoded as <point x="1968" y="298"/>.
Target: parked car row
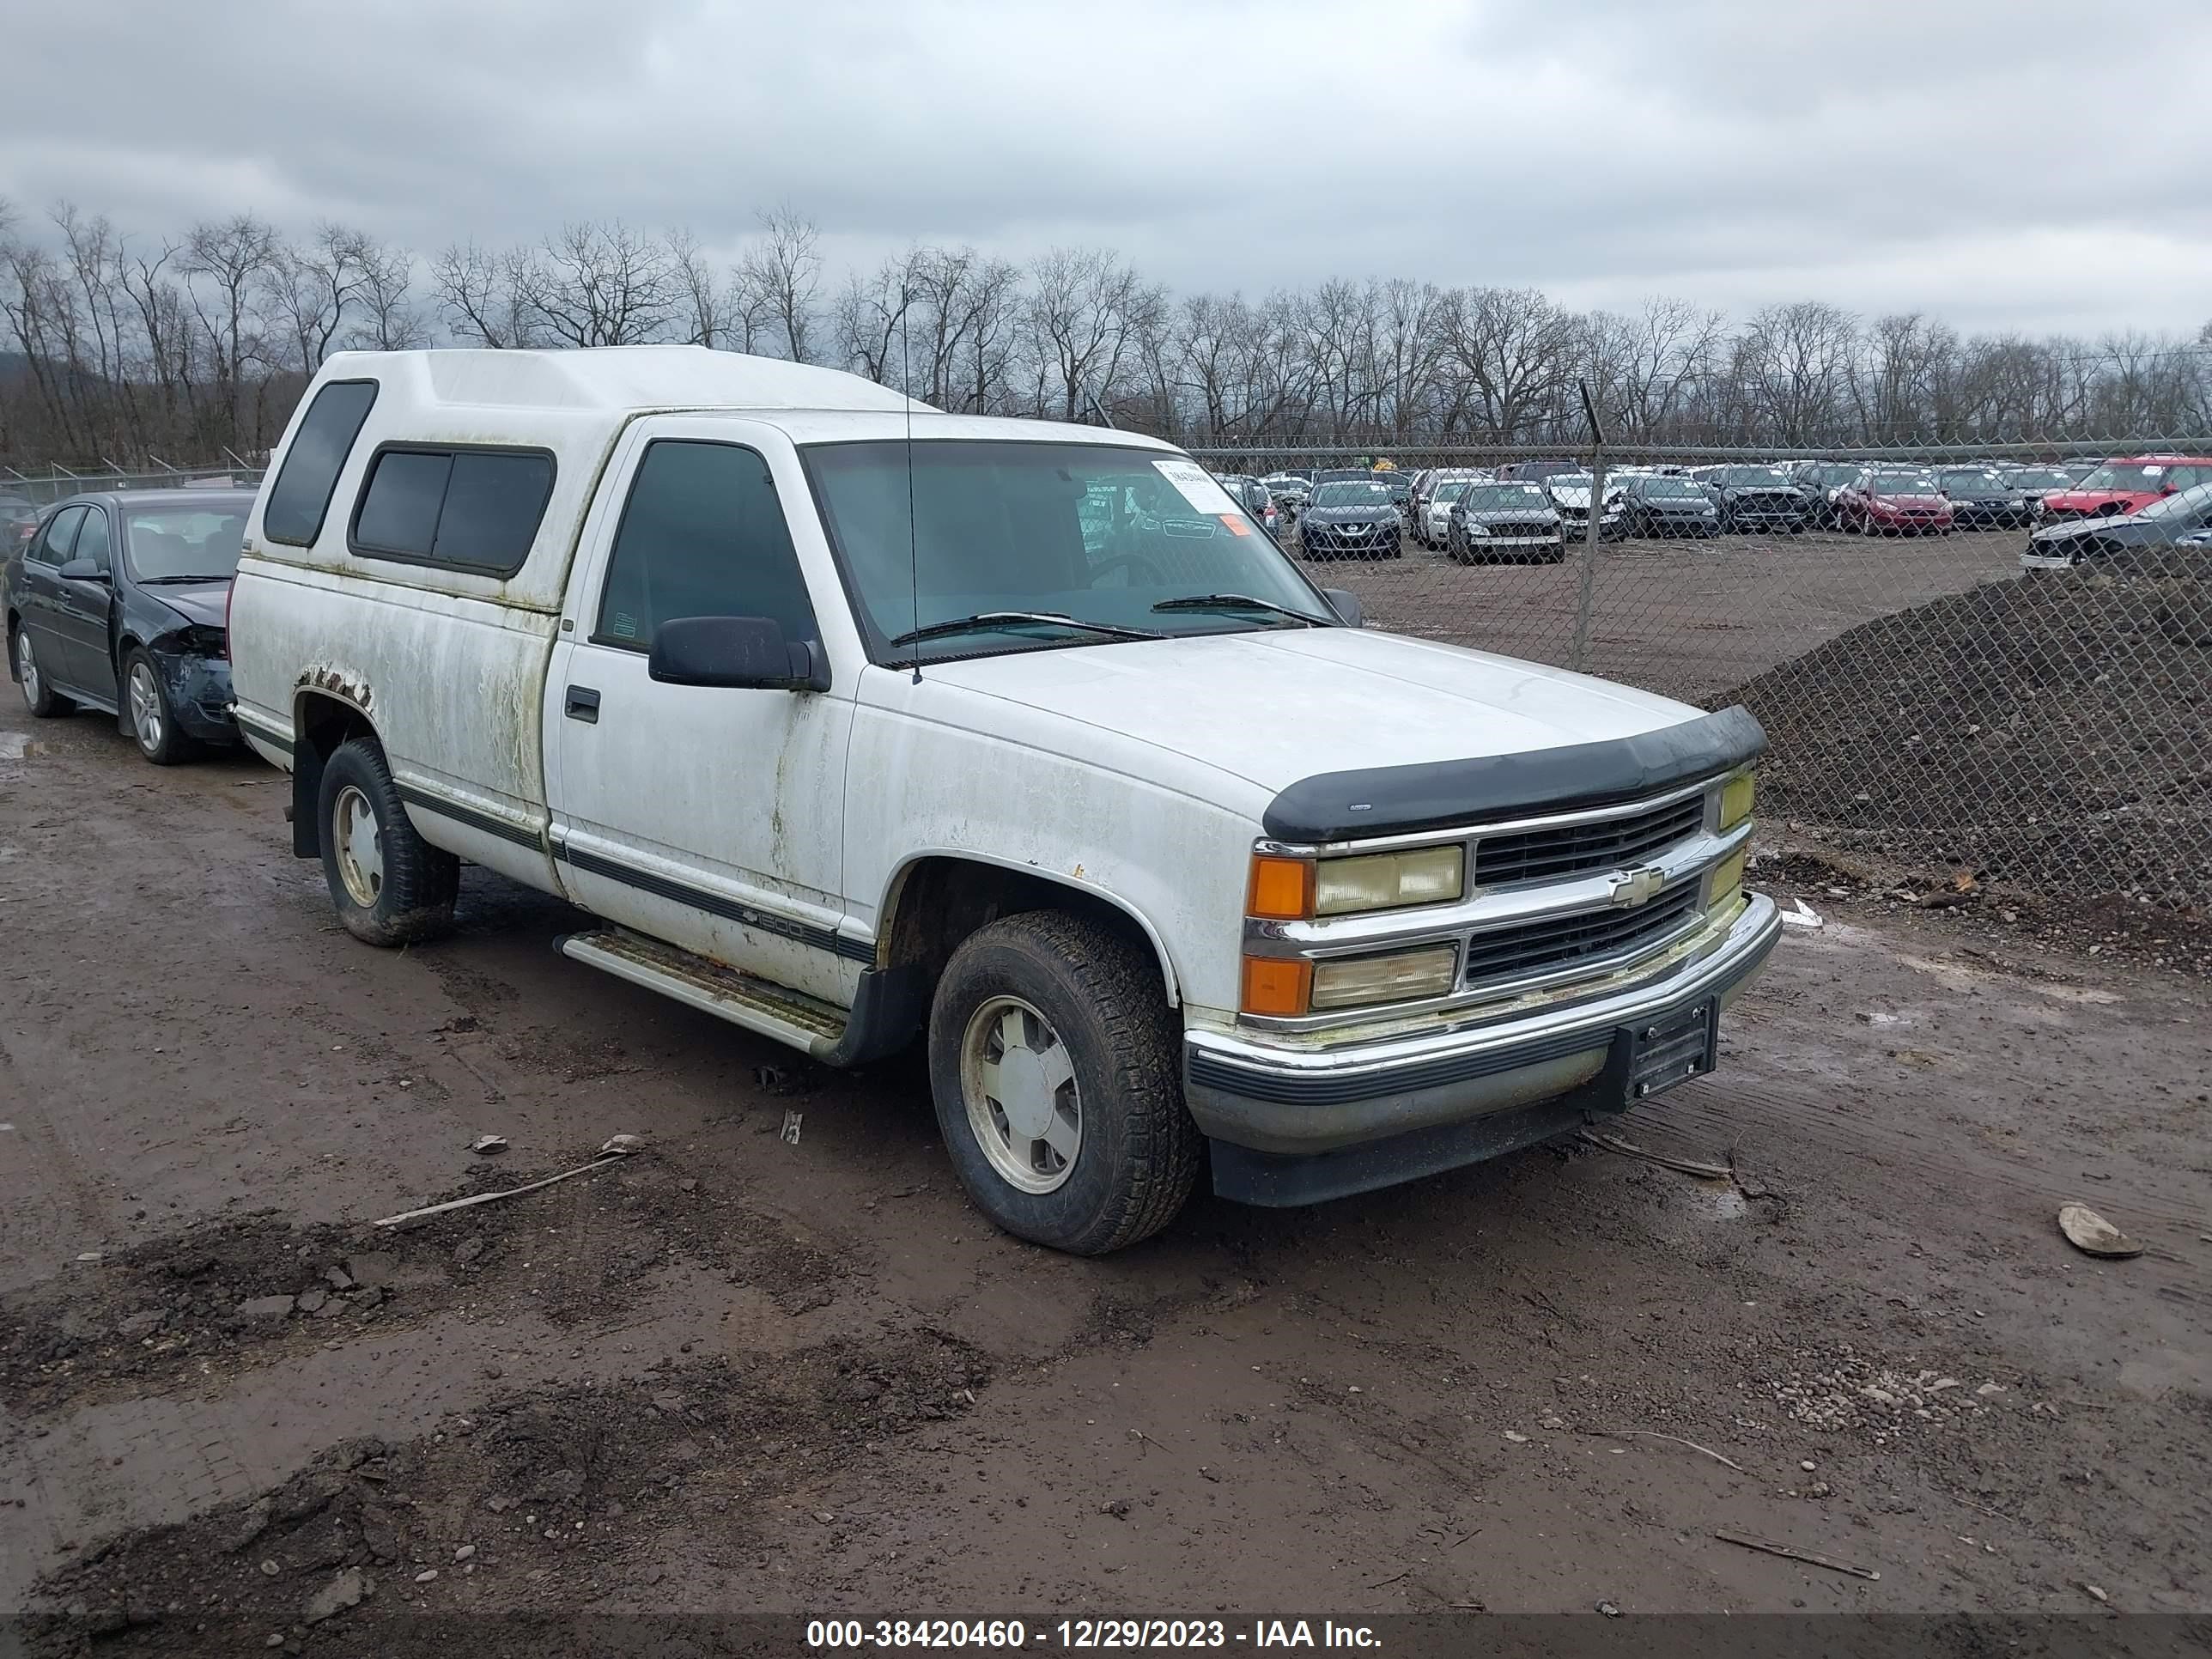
<point x="1900" y="498"/>
<point x="864" y="728"/>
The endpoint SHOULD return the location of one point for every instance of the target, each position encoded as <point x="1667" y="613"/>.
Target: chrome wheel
<point x="27" y="666"/>
<point x="360" y="843"/>
<point x="147" y="719"/>
<point x="1023" y="1104"/>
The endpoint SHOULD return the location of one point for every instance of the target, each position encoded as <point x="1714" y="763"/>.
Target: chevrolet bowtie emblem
<point x="1638" y="886"/>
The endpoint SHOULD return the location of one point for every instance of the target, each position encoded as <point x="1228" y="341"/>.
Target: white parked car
<point x="1433" y="507"/>
<point x="855" y="724"/>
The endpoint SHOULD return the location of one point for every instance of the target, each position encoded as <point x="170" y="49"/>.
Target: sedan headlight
<point x="1401" y="976"/>
<point x="1390" y="881"/>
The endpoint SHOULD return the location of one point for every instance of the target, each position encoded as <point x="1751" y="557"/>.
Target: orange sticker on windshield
<point x="1235" y="523"/>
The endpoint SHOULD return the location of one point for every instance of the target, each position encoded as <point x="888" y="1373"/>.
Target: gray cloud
<point x="2017" y="165"/>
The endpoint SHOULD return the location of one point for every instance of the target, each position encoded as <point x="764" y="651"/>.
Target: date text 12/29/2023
<point x="1123" y="1635"/>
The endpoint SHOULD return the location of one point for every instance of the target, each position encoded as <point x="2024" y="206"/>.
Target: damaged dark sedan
<point x="118" y="602"/>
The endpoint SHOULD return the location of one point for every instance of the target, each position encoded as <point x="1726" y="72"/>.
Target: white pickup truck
<point x="855" y="724"/>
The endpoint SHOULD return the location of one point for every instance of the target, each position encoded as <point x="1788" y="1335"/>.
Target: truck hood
<point x="1279" y="705"/>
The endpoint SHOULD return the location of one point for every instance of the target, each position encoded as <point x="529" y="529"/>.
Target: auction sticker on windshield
<point x="1196" y="485"/>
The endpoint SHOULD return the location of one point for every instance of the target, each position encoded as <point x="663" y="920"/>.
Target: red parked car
<point x="2127" y="486"/>
<point x="1892" y="503"/>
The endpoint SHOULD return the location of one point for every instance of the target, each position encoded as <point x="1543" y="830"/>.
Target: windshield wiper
<point x="1238" y="602"/>
<point x="155" y="581"/>
<point x="988" y="619"/>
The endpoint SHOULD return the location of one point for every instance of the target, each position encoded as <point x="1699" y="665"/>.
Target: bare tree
<point x="1085" y="308"/>
<point x="311" y="290"/>
<point x="478" y="297"/>
<point x="1517" y="350"/>
<point x="781" y="274"/>
<point x="979" y="372"/>
<point x="165" y="327"/>
<point x="228" y="261"/>
<point x="707" y="307"/>
<point x="871" y="321"/>
<point x="1792" y="364"/>
<point x="598" y="284"/>
<point x="389" y="319"/>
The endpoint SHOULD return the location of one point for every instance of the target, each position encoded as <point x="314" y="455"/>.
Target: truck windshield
<point x="1100" y="534"/>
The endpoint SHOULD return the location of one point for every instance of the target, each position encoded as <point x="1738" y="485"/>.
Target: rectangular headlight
<point x="1401" y="976"/>
<point x="1389" y="881"/>
<point x="1736" y="798"/>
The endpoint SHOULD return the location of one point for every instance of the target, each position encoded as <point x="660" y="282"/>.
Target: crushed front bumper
<point x="1296" y="1125"/>
<point x="199" y="695"/>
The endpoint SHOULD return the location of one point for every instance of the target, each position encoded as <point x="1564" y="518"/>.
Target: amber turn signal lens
<point x="1735" y="800"/>
<point x="1277" y="985"/>
<point x="1282" y="889"/>
<point x="1727" y="879"/>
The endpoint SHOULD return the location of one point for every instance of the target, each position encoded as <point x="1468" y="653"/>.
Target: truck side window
<point x="301" y="497"/>
<point x="702" y="535"/>
<point x="476" y="509"/>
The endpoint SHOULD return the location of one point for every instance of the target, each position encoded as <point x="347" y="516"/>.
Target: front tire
<point x="39" y="693"/>
<point x="1053" y="1061"/>
<point x="388" y="884"/>
<point x="153" y="722"/>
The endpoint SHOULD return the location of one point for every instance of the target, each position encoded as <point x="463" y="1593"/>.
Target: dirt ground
<point x="1692" y="619"/>
<point x="735" y="1373"/>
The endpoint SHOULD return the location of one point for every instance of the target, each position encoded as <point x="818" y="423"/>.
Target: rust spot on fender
<point x="338" y="682"/>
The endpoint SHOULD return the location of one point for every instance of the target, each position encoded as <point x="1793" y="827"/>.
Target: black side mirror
<point x="735" y="653"/>
<point x="83" y="570"/>
<point x="1346" y="603"/>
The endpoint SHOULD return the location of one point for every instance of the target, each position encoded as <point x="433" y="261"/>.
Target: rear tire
<point x="1085" y="1145"/>
<point x="388" y="884"/>
<point x="39" y="693"/>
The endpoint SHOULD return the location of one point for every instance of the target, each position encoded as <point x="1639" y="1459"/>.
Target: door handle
<point x="582" y="703"/>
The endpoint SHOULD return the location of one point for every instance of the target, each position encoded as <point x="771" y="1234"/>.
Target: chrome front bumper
<point x="1284" y="1101"/>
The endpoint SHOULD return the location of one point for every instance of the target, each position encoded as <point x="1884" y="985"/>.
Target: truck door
<point x="710" y="818"/>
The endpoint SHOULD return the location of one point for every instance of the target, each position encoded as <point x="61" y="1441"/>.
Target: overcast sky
<point x="2006" y="164"/>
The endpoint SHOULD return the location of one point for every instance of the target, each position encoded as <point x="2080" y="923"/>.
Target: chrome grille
<point x="1611" y="844"/>
<point x="1541" y="947"/>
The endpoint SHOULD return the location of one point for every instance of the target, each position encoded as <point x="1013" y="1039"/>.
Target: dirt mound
<point x="227" y="1295"/>
<point x="2052" y="733"/>
<point x="543" y="1499"/>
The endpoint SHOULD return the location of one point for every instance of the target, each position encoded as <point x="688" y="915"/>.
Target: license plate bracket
<point x="1657" y="1054"/>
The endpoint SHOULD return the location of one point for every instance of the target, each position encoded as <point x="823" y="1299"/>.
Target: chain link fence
<point x="43" y="488"/>
<point x="1933" y="703"/>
